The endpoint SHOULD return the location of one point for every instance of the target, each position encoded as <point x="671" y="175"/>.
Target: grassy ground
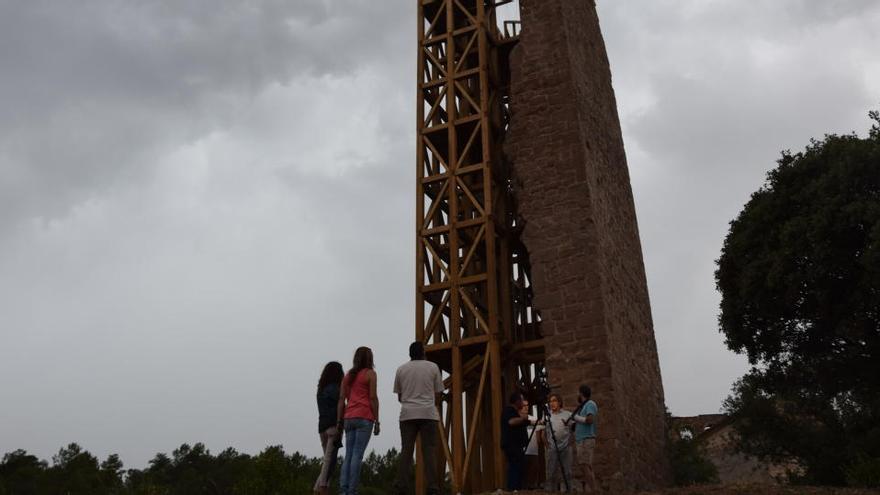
<point x="748" y="490"/>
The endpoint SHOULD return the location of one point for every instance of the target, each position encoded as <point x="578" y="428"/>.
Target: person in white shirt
<point x="533" y="478"/>
<point x="418" y="385"/>
<point x="558" y="443"/>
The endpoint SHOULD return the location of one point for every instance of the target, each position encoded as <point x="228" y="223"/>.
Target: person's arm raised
<point x="522" y="418"/>
<point x="586" y="419"/>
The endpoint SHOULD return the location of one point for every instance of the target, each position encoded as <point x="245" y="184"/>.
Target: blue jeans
<point x="357" y="436"/>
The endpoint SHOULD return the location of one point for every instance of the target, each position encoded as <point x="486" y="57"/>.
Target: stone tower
<point x="588" y="276"/>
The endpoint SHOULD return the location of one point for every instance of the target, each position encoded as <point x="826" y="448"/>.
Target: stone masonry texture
<point x="588" y="275"/>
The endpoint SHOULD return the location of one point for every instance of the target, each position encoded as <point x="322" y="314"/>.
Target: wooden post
<point x="464" y="297"/>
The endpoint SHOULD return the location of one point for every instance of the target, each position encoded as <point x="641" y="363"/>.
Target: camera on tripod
<point x="540" y="392"/>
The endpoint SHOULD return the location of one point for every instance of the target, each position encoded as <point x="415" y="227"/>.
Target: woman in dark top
<point x="328" y="398"/>
<point x="514" y="438"/>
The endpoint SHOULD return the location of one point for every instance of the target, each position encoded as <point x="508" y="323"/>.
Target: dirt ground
<point x="747" y="490"/>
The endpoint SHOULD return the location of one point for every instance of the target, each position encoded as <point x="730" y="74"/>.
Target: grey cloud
<point x="92" y="93"/>
<point x="830" y="11"/>
<point x="216" y="286"/>
<point x="710" y="93"/>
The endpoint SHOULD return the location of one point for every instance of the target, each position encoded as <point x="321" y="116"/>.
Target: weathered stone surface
<point x="581" y="232"/>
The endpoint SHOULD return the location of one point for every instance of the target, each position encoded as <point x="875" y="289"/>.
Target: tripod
<point x="545" y="410"/>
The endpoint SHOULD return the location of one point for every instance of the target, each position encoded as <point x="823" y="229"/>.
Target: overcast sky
<point x="203" y="201"/>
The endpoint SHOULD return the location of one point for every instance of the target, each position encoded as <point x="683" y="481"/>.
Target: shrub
<point x="864" y="473"/>
<point x="689" y="466"/>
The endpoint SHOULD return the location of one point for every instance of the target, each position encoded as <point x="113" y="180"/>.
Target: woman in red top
<point x="358" y="413"/>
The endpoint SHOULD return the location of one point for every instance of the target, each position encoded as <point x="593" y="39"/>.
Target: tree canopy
<point x="189" y="470"/>
<point x="799" y="276"/>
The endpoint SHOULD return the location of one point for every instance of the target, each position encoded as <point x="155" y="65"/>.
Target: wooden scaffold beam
<point x="473" y="303"/>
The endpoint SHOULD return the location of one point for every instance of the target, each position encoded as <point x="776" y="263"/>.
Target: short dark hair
<point x="585" y="391"/>
<point x="417" y="350"/>
<point x="515" y="397"/>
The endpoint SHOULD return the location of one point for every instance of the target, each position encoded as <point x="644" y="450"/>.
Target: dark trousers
<point x="409" y="430"/>
<point x="516" y="467"/>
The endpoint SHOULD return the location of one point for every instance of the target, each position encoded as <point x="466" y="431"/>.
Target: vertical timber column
<point x="445" y="247"/>
<point x="491" y="473"/>
<point x="456" y="427"/>
<point x="582" y="237"/>
<point x="464" y="275"/>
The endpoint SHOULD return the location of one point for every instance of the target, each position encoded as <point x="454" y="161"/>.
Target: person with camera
<point x="558" y="446"/>
<point x="328" y="398"/>
<point x="586" y="418"/>
<point x="358" y="414"/>
<point x="418" y="385"/>
<point x="515" y="438"/>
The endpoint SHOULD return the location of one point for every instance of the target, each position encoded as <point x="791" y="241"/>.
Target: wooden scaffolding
<point x="473" y="294"/>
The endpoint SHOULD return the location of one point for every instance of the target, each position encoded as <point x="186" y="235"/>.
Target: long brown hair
<point x="363" y="360"/>
<point x="332" y="374"/>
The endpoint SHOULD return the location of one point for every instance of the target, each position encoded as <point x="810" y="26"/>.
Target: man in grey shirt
<point x="418" y="385"/>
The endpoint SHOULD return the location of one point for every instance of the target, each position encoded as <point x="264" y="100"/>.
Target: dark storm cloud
<point x="93" y="92"/>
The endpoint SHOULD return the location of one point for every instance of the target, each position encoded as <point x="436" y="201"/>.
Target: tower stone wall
<point x="588" y="276"/>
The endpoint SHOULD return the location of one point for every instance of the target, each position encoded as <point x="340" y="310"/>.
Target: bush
<point x="864" y="473"/>
<point x="689" y="466"/>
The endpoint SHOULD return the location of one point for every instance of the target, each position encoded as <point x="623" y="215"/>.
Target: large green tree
<point x="799" y="277"/>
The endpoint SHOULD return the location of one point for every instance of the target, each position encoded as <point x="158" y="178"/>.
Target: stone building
<point x="716" y="438"/>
